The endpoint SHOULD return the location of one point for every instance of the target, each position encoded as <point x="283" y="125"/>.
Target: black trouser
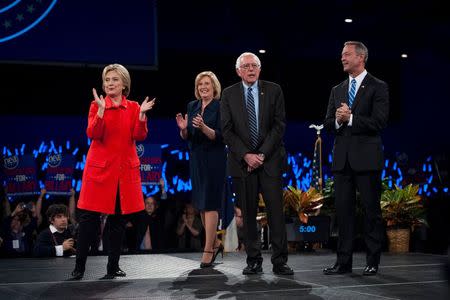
<point x="346" y="182"/>
<point x="246" y="189"/>
<point x="88" y="231"/>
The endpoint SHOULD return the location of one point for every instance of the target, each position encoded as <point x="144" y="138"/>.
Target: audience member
<point x="57" y="239"/>
<point x="189" y="229"/>
<point x="151" y="236"/>
<point x="19" y="228"/>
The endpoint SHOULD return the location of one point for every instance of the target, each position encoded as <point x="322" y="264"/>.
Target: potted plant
<point x="402" y="210"/>
<point x="298" y="207"/>
<point x="302" y="204"/>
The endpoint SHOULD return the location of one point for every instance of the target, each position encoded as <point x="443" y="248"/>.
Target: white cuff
<point x="336" y="124"/>
<point x="59" y="250"/>
<point x="350" y="121"/>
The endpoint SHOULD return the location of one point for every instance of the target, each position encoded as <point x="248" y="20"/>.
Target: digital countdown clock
<point x="316" y="230"/>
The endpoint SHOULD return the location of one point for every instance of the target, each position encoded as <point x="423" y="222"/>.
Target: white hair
<point x="238" y="60"/>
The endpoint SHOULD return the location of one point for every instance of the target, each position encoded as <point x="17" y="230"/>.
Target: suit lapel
<point x="241" y="105"/>
<point x="261" y="105"/>
<point x="361" y="91"/>
<point x="345" y="94"/>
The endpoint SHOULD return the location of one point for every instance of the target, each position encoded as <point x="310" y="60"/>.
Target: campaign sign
<point x="20" y="175"/>
<point x="151" y="163"/>
<point x="60" y="167"/>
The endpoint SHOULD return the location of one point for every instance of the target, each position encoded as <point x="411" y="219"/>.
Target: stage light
<point x="348" y="20"/>
<point x="404" y="55"/>
<point x="262" y="51"/>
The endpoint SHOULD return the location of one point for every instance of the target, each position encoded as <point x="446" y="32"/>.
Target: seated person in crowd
<point x="70" y="202"/>
<point x="57" y="239"/>
<point x="151" y="235"/>
<point x="189" y="229"/>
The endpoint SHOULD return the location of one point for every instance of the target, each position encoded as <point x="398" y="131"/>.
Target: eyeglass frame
<point x="248" y="65"/>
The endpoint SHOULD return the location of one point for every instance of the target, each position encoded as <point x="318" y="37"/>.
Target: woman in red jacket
<point x="111" y="179"/>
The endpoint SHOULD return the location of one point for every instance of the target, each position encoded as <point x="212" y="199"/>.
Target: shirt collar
<point x="109" y="104"/>
<point x="358" y="78"/>
<point x="53" y="229"/>
<point x="253" y="86"/>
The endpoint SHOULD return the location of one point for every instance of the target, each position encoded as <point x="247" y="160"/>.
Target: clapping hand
<point x="197" y="122"/>
<point x="343" y="113"/>
<point x="147" y="105"/>
<point x="181" y="121"/>
<point x="99" y="100"/>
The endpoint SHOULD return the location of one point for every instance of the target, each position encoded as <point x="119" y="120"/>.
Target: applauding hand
<point x="145" y="107"/>
<point x="181" y="121"/>
<point x="99" y="100"/>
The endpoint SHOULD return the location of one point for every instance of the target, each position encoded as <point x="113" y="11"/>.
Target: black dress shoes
<point x="370" y="270"/>
<point x="337" y="269"/>
<point x="253" y="268"/>
<point x="283" y="269"/>
<point x="117" y="273"/>
<point x="76" y="275"/>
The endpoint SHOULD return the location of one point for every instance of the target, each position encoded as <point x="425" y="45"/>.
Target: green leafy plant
<point x="402" y="208"/>
<point x="302" y="204"/>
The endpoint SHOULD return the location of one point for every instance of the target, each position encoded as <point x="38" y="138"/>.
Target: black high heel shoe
<point x="208" y="264"/>
<point x="216" y="253"/>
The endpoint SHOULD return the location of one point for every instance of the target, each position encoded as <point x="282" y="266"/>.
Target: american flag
<point x="316" y="178"/>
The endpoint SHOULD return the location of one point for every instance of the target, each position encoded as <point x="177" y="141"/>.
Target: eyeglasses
<point x="247" y="66"/>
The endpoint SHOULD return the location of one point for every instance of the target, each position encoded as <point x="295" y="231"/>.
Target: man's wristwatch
<point x="262" y="156"/>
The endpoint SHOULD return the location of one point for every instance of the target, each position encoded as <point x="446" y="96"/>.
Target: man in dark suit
<point x="57" y="239"/>
<point x="253" y="125"/>
<point x="357" y="111"/>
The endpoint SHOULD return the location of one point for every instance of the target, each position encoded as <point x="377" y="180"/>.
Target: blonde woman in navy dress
<point x="201" y="128"/>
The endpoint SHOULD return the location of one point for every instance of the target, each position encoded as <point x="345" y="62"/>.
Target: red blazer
<point x="112" y="160"/>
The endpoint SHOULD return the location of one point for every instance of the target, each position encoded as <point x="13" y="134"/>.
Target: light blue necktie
<point x="352" y="93"/>
<point x="252" y="119"/>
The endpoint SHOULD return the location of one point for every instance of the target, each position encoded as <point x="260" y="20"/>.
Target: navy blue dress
<point x="207" y="158"/>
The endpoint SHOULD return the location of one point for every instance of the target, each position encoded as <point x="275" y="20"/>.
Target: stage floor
<point x="177" y="276"/>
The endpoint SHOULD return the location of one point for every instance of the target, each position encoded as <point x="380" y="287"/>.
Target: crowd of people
<point x="40" y="227"/>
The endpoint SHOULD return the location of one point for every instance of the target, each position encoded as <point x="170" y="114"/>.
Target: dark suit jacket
<point x="360" y="143"/>
<point x="272" y="124"/>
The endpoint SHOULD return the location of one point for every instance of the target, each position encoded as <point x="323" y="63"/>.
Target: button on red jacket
<point x="112" y="159"/>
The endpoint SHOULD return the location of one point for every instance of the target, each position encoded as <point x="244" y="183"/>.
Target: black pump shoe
<point x="208" y="264"/>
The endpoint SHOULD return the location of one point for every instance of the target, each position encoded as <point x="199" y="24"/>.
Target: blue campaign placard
<point x="20" y="175"/>
<point x="60" y="168"/>
<point x="151" y="163"/>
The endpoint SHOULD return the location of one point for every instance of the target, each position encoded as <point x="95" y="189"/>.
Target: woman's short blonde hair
<point x="215" y="83"/>
<point x="124" y="75"/>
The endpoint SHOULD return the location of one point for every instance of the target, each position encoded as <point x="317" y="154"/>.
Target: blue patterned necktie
<point x="352" y="93"/>
<point x="252" y="119"/>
